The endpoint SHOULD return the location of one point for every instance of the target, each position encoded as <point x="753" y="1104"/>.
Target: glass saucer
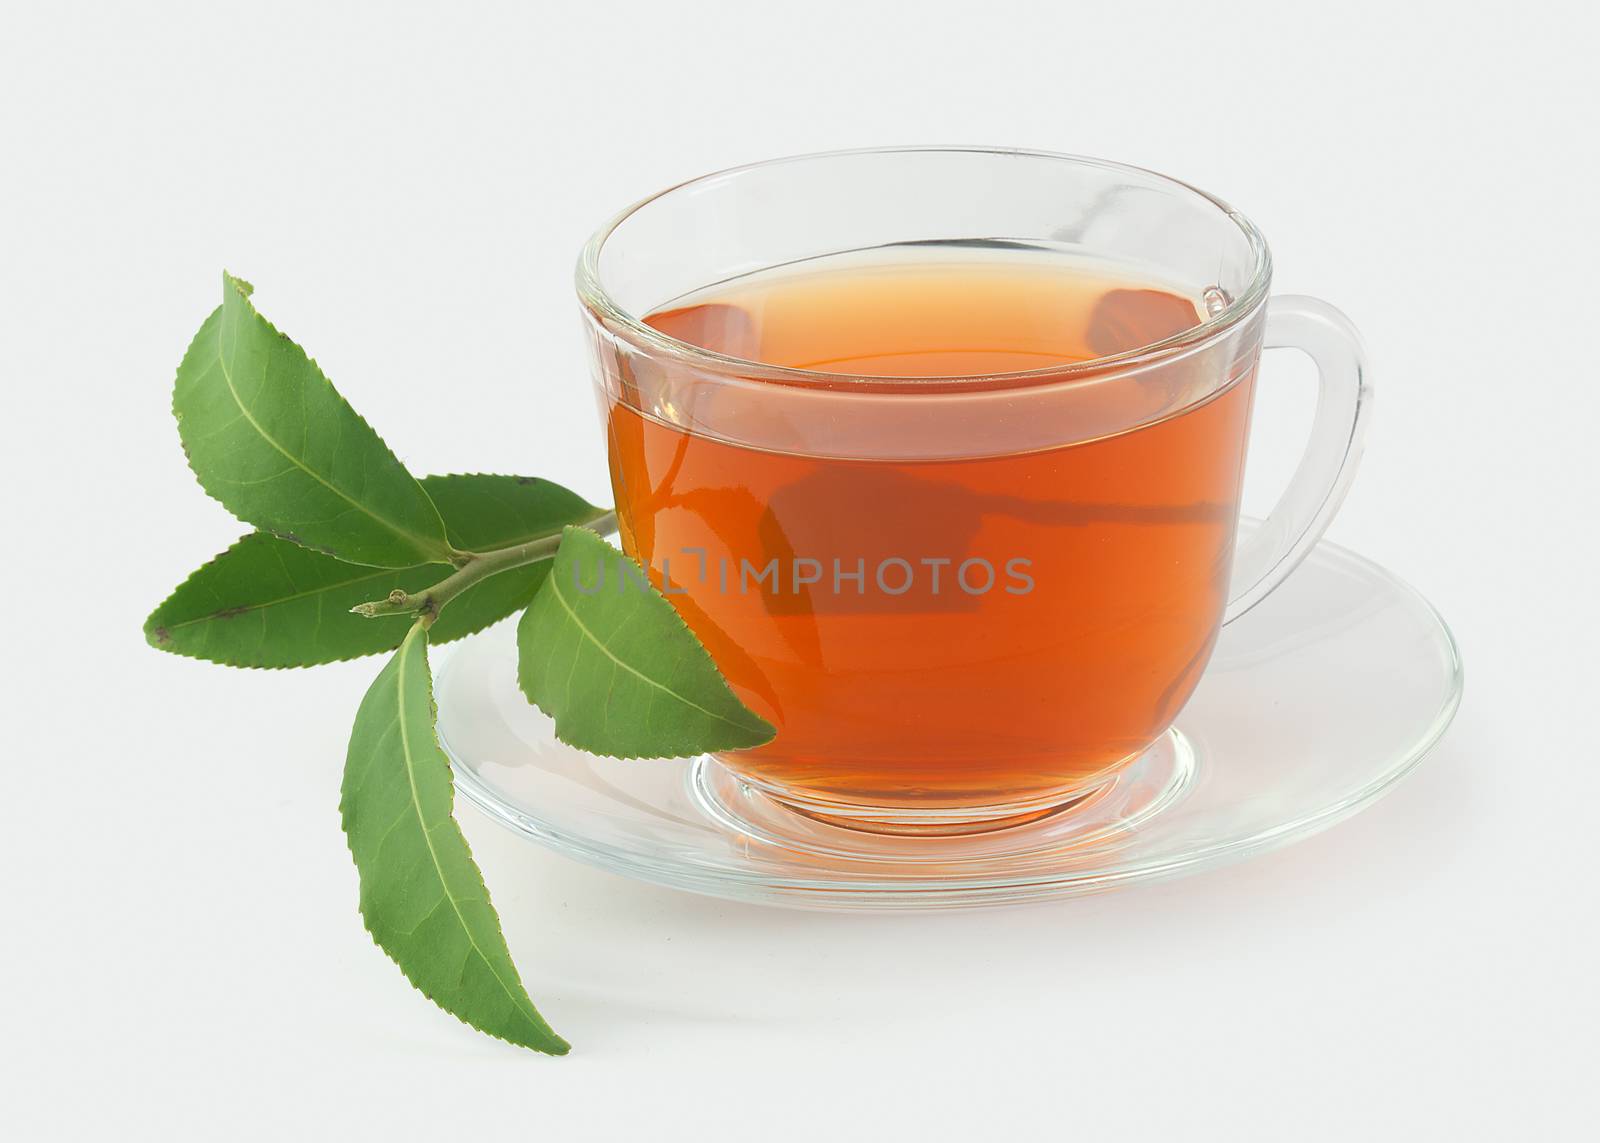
<point x="1315" y="703"/>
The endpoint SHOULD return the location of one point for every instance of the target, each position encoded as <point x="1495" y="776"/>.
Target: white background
<point x="180" y="956"/>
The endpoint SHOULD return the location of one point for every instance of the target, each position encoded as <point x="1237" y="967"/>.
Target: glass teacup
<point x="939" y="451"/>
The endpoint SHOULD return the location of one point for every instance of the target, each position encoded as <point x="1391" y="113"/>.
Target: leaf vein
<point x="425" y="543"/>
<point x="555" y="587"/>
<point x="427" y="836"/>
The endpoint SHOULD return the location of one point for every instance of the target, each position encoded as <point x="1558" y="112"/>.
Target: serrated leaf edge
<point x="151" y="628"/>
<point x="761" y="723"/>
<point x="562" y="1045"/>
<point x="245" y="290"/>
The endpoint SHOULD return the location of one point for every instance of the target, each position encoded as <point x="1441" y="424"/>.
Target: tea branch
<point x="345" y="517"/>
<point x="476" y="567"/>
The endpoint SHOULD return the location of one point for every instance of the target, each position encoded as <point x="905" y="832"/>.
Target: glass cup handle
<point x="1320" y="481"/>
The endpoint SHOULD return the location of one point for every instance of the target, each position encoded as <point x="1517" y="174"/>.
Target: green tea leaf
<point x="270" y="437"/>
<point x="483" y="511"/>
<point x="267" y="602"/>
<point x="606" y="656"/>
<point x="422" y="896"/>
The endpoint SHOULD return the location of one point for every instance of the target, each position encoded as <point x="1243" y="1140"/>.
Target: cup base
<point x="732" y="787"/>
<point x="1152" y="781"/>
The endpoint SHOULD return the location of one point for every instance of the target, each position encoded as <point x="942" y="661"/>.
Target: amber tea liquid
<point x="986" y="630"/>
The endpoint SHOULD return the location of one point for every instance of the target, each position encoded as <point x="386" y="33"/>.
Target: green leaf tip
<point x="422" y="896"/>
<point x="605" y="655"/>
<point x="230" y="282"/>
